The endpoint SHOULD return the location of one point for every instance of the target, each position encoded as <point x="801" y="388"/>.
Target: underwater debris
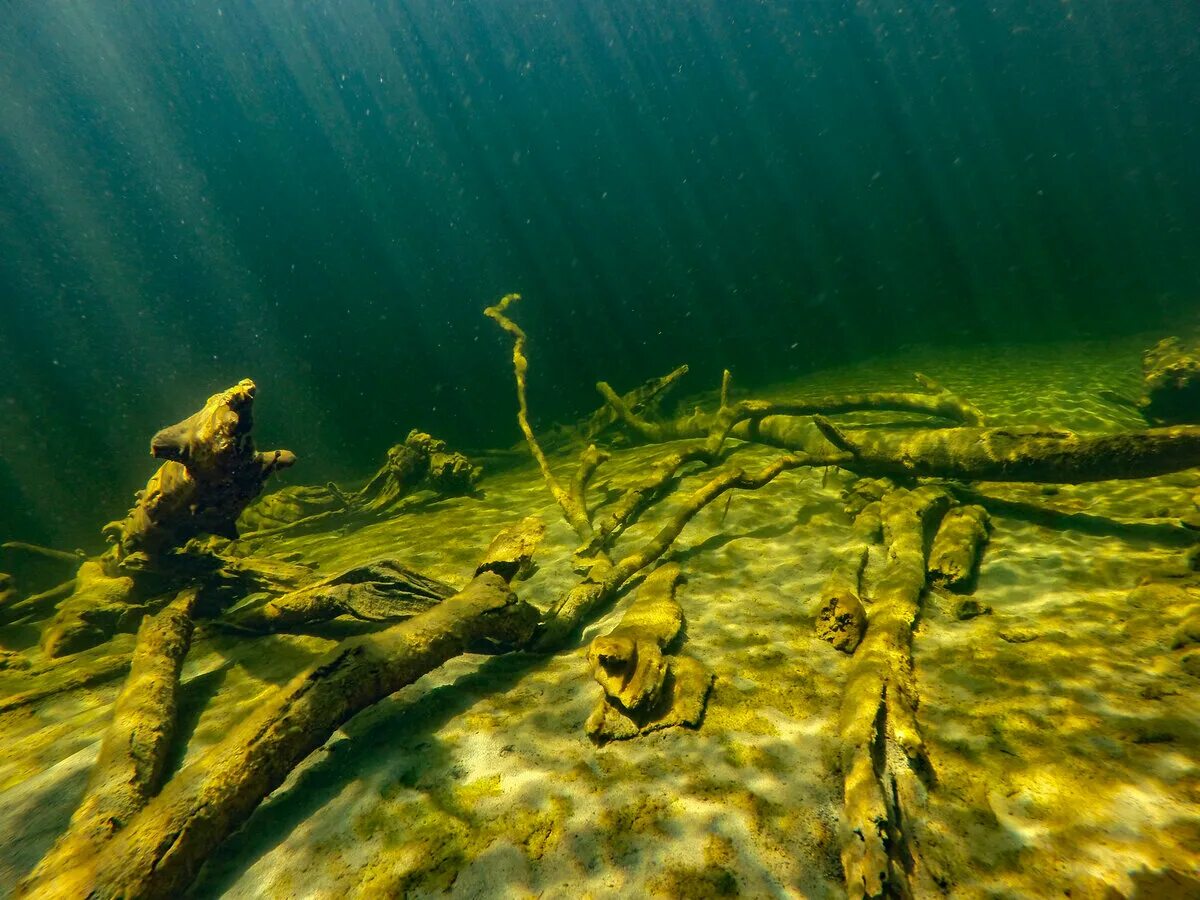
<point x="841" y="619"/>
<point x="882" y="751"/>
<point x="602" y="576"/>
<point x="421" y="462"/>
<point x="212" y="471"/>
<point x="133" y="753"/>
<point x="1029" y="453"/>
<point x="954" y="557"/>
<point x="161" y="847"/>
<point x="384" y="590"/>
<point x="1171" y="382"/>
<point x="645" y="689"/>
<point x="784" y="423"/>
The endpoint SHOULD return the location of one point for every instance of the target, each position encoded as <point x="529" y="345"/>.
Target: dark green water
<point x="324" y="195"/>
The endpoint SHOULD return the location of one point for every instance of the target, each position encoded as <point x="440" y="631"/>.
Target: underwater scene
<point x="527" y="449"/>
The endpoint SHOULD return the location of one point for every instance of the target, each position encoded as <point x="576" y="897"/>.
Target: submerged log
<point x="954" y="557"/>
<point x="883" y="754"/>
<point x="161" y="850"/>
<point x="380" y="591"/>
<point x="644" y="688"/>
<point x="841" y="618"/>
<point x="133" y="752"/>
<point x="1171" y="382"/>
<point x="212" y="472"/>
<point x="787" y="427"/>
<point x="163" y="846"/>
<point x="100" y="605"/>
<point x="1016" y="454"/>
<point x="420" y="463"/>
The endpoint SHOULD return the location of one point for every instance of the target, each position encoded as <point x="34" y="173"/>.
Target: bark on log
<point x="605" y="578"/>
<point x="1017" y="454"/>
<point x="133" y="752"/>
<point x="841" y="618"/>
<point x="161" y="850"/>
<point x="882" y="749"/>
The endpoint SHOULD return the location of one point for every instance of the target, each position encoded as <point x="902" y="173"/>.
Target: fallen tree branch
<point x="164" y="845"/>
<point x="743" y="419"/>
<point x="1016" y="454"/>
<point x="572" y="509"/>
<point x="882" y="752"/>
<point x="133" y="752"/>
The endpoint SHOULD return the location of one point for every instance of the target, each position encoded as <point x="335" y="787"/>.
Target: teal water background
<point x="323" y="196"/>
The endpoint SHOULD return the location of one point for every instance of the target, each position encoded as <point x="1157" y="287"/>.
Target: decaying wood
<point x="67" y="675"/>
<point x="133" y="752"/>
<point x="1171" y="382"/>
<point x="163" y="846"/>
<point x="212" y="471"/>
<point x="1017" y="454"/>
<point x="604" y="575"/>
<point x="883" y="754"/>
<point x="380" y="591"/>
<point x="745" y="419"/>
<point x="606" y="578"/>
<point x="102" y="603"/>
<point x="420" y="463"/>
<point x="13" y="610"/>
<point x="954" y="557"/>
<point x="841" y="618"/>
<point x="510" y="554"/>
<point x="572" y="509"/>
<point x="643" y="400"/>
<point x="645" y="689"/>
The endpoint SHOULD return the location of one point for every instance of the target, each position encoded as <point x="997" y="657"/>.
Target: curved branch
<point x="572" y="509"/>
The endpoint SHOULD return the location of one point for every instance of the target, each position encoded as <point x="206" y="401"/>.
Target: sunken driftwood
<point x="604" y="572"/>
<point x="954" y="556"/>
<point x="645" y="689"/>
<point x="133" y="752"/>
<point x="380" y="591"/>
<point x="783" y="423"/>
<point x="161" y="848"/>
<point x="212" y="471"/>
<point x="1171" y="382"/>
<point x="1028" y="453"/>
<point x="882" y="751"/>
<point x="420" y="463"/>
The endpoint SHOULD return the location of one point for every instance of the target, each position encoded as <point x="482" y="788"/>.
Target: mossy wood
<point x="1028" y="453"/>
<point x="882" y="752"/>
<point x="162" y="846"/>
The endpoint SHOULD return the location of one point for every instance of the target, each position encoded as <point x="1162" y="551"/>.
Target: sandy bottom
<point x="1062" y="727"/>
